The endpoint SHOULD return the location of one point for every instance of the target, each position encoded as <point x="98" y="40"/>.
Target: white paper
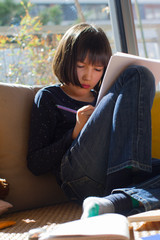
<point x="149" y="216"/>
<point x="118" y="62"/>
<point x="106" y="226"/>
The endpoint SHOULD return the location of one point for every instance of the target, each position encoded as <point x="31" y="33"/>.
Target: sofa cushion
<point x="26" y="190"/>
<point x="156" y="126"/>
<point x="4" y="206"/>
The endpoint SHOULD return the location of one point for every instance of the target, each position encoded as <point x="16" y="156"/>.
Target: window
<point x="27" y="46"/>
<point x="147" y="22"/>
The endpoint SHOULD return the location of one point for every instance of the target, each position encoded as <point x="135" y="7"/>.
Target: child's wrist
<point x="74" y="134"/>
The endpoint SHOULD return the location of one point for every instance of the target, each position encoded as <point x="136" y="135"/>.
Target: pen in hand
<point x="66" y="109"/>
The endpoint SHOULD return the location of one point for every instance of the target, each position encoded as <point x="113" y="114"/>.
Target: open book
<point x="118" y="62"/>
<point x="107" y="226"/>
<point x="110" y="226"/>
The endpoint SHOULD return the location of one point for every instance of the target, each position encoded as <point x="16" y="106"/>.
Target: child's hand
<point x="81" y="118"/>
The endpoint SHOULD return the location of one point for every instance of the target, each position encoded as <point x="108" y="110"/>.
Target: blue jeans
<point x="117" y="135"/>
<point x="147" y="191"/>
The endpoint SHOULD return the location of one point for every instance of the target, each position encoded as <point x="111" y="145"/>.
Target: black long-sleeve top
<point x="50" y="129"/>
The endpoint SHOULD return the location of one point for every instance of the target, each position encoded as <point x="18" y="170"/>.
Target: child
<point x="92" y="150"/>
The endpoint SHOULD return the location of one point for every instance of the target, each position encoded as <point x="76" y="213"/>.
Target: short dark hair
<point x="80" y="41"/>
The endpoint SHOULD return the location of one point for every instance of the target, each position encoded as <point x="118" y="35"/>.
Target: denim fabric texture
<point x="148" y="191"/>
<point x="116" y="136"/>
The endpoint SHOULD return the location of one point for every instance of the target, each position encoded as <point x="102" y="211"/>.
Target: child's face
<point x="89" y="75"/>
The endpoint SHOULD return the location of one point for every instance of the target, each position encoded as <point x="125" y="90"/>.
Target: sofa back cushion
<point x="26" y="190"/>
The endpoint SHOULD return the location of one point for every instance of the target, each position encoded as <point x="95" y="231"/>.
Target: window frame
<point x="123" y="26"/>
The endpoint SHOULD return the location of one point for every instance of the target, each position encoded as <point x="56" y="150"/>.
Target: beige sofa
<point x="37" y="201"/>
<point x="26" y="190"/>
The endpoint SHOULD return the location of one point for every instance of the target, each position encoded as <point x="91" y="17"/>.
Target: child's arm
<point x="45" y="151"/>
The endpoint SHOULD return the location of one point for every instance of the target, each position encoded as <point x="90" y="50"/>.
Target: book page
<point x="118" y="62"/>
<point x="151" y="216"/>
<point x="106" y="226"/>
